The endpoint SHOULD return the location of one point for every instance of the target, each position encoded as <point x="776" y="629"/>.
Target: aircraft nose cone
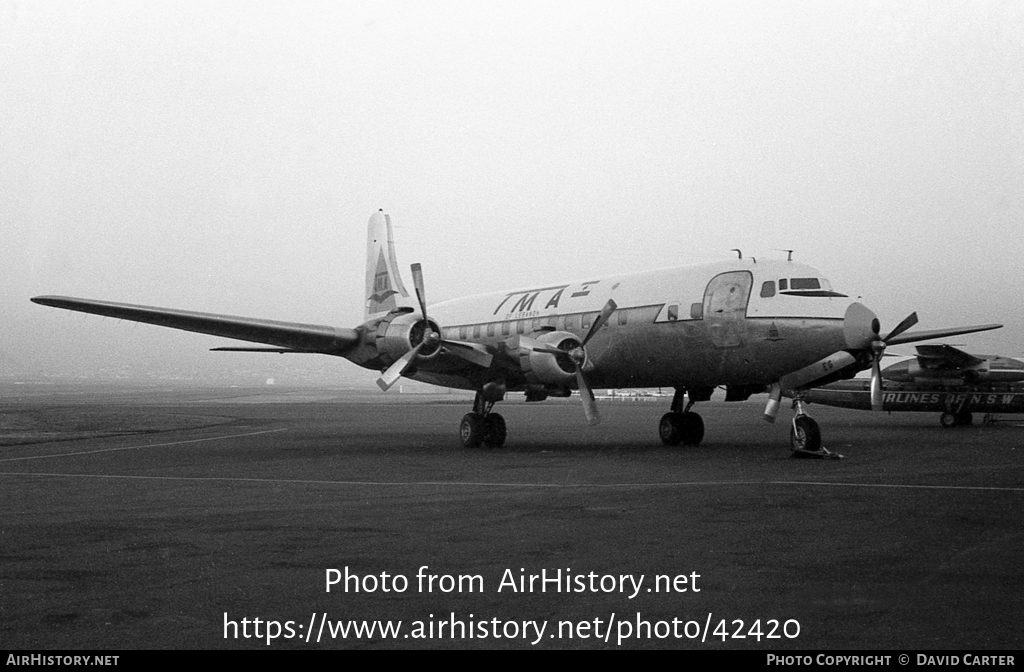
<point x="860" y="326"/>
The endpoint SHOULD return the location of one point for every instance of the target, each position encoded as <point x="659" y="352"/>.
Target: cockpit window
<point x="804" y="283"/>
<point x="768" y="289"/>
<point x="805" y="287"/>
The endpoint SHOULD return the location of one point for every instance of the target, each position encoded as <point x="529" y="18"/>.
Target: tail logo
<point x="381" y="299"/>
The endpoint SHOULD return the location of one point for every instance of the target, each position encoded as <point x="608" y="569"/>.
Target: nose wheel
<point x="805" y="435"/>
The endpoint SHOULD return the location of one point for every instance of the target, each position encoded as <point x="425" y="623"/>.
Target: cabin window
<point x="696" y="311"/>
<point x="463" y="333"/>
<point x="505" y="328"/>
<point x="476" y="331"/>
<point x="768" y="289"/>
<point x="491" y="328"/>
<point x="783" y="285"/>
<point x="673" y="312"/>
<point x="586" y="322"/>
<point x="536" y="324"/>
<point x="570" y="323"/>
<point x="623" y="317"/>
<point x="520" y="326"/>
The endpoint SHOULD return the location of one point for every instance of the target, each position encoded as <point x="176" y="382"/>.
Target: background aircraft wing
<point x="911" y="337"/>
<point x="945" y="357"/>
<point x="291" y="336"/>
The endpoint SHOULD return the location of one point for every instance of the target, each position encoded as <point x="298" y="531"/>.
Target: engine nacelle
<point x="398" y="333"/>
<point x="544" y="368"/>
<point x="919" y="374"/>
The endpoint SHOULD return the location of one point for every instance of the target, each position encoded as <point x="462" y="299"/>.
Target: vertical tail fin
<point x="384" y="288"/>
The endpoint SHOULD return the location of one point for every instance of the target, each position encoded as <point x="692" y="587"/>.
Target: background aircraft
<point x="746" y="325"/>
<point x="940" y="379"/>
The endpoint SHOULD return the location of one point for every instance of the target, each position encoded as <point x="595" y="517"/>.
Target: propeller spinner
<point x="578" y="356"/>
<point x="430" y="341"/>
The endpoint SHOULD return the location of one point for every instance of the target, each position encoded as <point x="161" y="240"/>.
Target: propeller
<point x="578" y="356"/>
<point x="877" y="348"/>
<point x="431" y="340"/>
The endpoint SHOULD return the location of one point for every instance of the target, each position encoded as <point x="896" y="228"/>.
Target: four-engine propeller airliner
<point x="749" y="325"/>
<point x="940" y="379"/>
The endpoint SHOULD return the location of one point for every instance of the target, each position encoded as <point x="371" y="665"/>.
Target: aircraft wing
<point x="945" y="357"/>
<point x="913" y="336"/>
<point x="288" y="336"/>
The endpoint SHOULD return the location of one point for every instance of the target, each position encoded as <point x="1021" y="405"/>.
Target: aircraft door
<point x="725" y="307"/>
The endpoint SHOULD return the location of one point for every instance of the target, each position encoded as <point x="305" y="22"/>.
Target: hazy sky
<point x="225" y="157"/>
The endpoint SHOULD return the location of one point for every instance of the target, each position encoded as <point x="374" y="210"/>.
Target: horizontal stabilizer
<point x="287" y="335"/>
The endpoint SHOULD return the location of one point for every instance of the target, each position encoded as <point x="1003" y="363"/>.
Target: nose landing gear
<point x="805" y="435"/>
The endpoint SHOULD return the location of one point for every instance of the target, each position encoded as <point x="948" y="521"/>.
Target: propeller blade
<point x="860" y="326"/>
<point x="913" y="337"/>
<point x="876" y="385"/>
<point x="774" y="400"/>
<point x="606" y="312"/>
<point x="421" y="292"/>
<point x="589" y="403"/>
<point x="395" y="371"/>
<point x="907" y="323"/>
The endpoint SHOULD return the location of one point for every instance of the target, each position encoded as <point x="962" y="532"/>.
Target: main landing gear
<point x="958" y="419"/>
<point x="805" y="435"/>
<point x="957" y="414"/>
<point x="481" y="427"/>
<point x="681" y="425"/>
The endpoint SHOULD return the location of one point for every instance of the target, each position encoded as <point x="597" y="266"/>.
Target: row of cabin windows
<point x="561" y="322"/>
<point x="789" y="284"/>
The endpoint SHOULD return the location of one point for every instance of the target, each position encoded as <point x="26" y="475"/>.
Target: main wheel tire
<point x="472" y="430"/>
<point x="494" y="430"/>
<point x="692" y="428"/>
<point x="805" y="434"/>
<point x="964" y="418"/>
<point x="670" y="429"/>
<point x="948" y="420"/>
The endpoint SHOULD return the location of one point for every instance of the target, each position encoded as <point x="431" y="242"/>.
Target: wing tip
<point x="50" y="300"/>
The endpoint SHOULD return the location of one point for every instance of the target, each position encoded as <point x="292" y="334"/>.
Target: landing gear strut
<point x="681" y="425"/>
<point x="805" y="435"/>
<point x="481" y="427"/>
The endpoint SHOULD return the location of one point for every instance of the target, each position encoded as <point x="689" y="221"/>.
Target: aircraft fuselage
<point x="922" y="398"/>
<point x="725" y="323"/>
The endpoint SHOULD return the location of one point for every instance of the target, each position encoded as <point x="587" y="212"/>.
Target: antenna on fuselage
<point x="789" y="254"/>
<point x="737" y="251"/>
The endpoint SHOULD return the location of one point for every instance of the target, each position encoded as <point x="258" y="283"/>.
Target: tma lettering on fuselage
<point x="750" y="326"/>
<point x="940" y="379"/>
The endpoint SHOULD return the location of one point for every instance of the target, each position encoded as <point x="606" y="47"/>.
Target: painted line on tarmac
<point x="481" y="484"/>
<point x="148" y="445"/>
<point x="899" y="485"/>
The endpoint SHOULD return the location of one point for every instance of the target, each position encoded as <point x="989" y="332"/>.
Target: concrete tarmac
<point x="161" y="518"/>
